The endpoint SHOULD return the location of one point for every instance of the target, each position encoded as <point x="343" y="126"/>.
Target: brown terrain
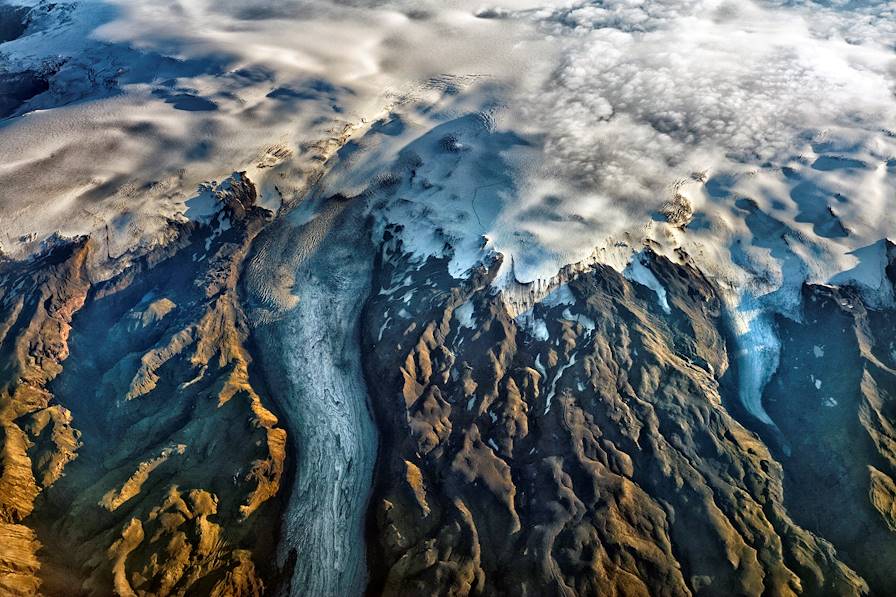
<point x="571" y="439"/>
<point x="138" y="454"/>
<point x="602" y="458"/>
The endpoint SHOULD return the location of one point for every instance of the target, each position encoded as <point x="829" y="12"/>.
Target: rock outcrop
<point x="586" y="446"/>
<point x="37" y="302"/>
<point x="140" y="455"/>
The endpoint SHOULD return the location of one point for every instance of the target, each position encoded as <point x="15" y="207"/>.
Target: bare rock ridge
<point x="37" y="302"/>
<point x="291" y="409"/>
<point x="588" y="446"/>
<point x="139" y="453"/>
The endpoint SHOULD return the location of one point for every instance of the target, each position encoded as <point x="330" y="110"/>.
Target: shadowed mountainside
<point x="834" y="399"/>
<point x="138" y="454"/>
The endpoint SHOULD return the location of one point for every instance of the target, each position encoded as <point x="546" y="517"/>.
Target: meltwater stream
<point x="307" y="282"/>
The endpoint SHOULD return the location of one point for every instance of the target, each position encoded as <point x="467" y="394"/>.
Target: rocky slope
<point x="587" y="445"/>
<point x="139" y="455"/>
<point x="433" y="435"/>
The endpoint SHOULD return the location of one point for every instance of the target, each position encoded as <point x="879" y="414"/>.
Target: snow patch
<point x="583" y="320"/>
<point x="561" y="295"/>
<point x="465" y="315"/>
<point x="557" y="376"/>
<point x="641" y="274"/>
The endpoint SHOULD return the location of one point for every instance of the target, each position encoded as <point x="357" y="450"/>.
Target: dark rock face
<point x="834" y="400"/>
<point x="13" y="22"/>
<point x="139" y="455"/>
<point x="16" y="88"/>
<point x="19" y="87"/>
<point x="585" y="447"/>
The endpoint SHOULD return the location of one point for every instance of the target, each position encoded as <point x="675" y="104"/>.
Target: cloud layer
<point x="649" y="96"/>
<point x="770" y="124"/>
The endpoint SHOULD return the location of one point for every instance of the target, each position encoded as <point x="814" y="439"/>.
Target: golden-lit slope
<point x="149" y="463"/>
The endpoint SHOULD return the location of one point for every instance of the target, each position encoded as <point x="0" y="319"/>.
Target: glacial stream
<point x="306" y="288"/>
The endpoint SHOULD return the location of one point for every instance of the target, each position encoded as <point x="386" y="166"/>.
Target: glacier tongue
<point x="758" y="353"/>
<point x="312" y="359"/>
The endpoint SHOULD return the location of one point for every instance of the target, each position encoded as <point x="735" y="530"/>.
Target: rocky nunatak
<point x="588" y="442"/>
<point x="139" y="454"/>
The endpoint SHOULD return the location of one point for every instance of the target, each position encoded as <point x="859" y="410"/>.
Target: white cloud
<point x="622" y="101"/>
<point x="647" y="93"/>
